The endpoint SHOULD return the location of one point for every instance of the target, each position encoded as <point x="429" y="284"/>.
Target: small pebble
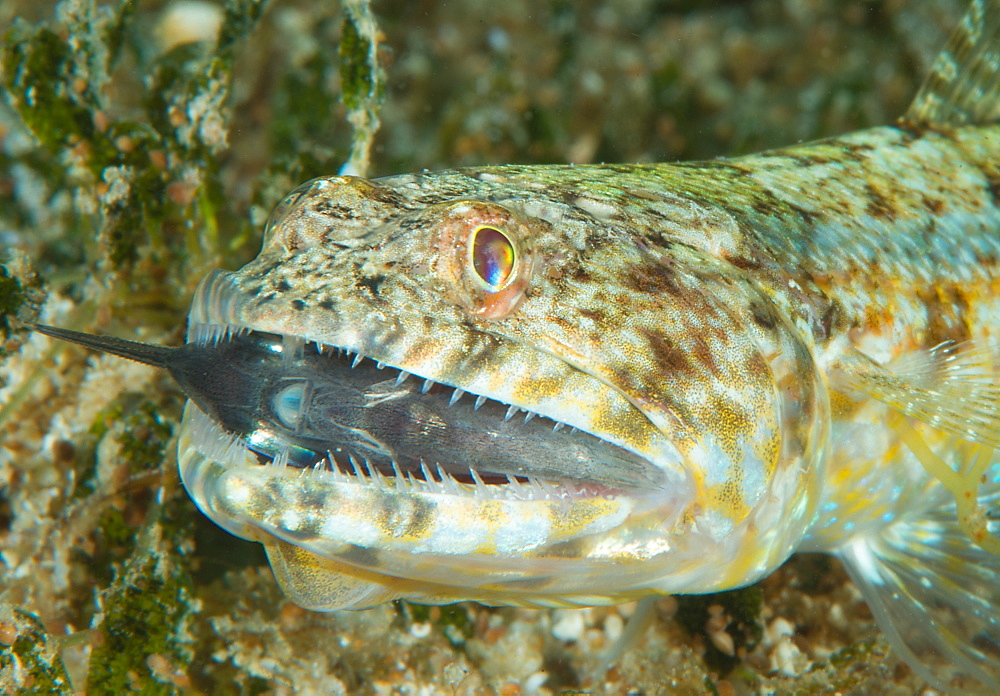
<point x="420" y="630"/>
<point x="569" y="625"/>
<point x="533" y="683"/>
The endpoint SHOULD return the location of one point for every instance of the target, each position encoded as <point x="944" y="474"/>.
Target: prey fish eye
<point x="289" y="403"/>
<point x="551" y="386"/>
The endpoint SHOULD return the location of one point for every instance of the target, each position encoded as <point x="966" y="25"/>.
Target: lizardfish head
<point x="498" y="389"/>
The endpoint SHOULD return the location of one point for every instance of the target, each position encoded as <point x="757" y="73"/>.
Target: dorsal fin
<point x="963" y="87"/>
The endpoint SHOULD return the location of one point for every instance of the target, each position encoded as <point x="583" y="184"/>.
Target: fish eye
<point x="289" y="403"/>
<point x="493" y="257"/>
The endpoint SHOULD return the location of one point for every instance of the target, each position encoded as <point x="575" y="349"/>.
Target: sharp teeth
<point x="528" y="416"/>
<point x="428" y="476"/>
<point x="379" y="365"/>
<point x="514" y="490"/>
<point x="476" y="478"/>
<point x="511" y="412"/>
<point x="357" y="359"/>
<point x="401" y="377"/>
<point x="354" y="466"/>
<point x="396" y="471"/>
<point x="480" y="400"/>
<point x="572" y="430"/>
<point x="375" y="476"/>
<point x="557" y="427"/>
<point x="292" y="348"/>
<point x="449" y="484"/>
<point x="427" y="386"/>
<point x="455" y="396"/>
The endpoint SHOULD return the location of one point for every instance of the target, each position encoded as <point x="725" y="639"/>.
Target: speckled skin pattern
<point x="692" y="313"/>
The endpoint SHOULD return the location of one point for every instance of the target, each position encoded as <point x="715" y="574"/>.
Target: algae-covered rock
<point x="142" y="145"/>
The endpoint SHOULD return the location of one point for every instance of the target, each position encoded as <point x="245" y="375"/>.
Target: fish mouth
<point x="350" y="418"/>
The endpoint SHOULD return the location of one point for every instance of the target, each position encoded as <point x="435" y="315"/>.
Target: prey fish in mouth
<point x="311" y="406"/>
<point x="559" y="385"/>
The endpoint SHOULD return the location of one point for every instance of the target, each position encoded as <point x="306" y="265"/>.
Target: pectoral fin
<point x="953" y="388"/>
<point x="933" y="580"/>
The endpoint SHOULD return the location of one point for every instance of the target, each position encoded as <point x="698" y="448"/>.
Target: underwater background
<point x="143" y="144"/>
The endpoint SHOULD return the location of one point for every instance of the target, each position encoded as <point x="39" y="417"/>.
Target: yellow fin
<point x="953" y="388"/>
<point x="963" y="484"/>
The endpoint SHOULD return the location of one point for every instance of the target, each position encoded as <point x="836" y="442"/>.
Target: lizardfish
<point x="577" y="385"/>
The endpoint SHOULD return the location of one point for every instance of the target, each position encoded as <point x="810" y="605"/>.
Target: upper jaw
<point x="317" y="406"/>
<point x="371" y="416"/>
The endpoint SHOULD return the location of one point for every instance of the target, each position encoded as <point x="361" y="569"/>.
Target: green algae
<point x="147" y="611"/>
<point x="360" y="76"/>
<point x="135" y="174"/>
<point x="240" y="20"/>
<point x="145" y="436"/>
<point x="853" y="669"/>
<point x="21" y="294"/>
<point x="145" y="172"/>
<point x="117" y="537"/>
<point x="54" y="76"/>
<point x="41" y="69"/>
<point x="143" y="198"/>
<point x="853" y="654"/>
<point x="11" y="298"/>
<point x="37" y="653"/>
<point x="362" y="80"/>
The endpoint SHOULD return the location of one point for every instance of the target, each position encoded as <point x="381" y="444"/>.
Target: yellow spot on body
<point x="580" y="516"/>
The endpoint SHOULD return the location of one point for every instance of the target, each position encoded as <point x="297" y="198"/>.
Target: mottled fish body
<point x="610" y="381"/>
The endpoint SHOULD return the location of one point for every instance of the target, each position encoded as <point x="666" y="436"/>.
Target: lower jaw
<point x="437" y="546"/>
<point x="328" y="510"/>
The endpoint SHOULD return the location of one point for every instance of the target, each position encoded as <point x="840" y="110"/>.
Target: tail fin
<point x="133" y="350"/>
<point x="936" y="595"/>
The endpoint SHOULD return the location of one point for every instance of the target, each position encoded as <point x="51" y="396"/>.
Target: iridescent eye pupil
<point x="492" y="256"/>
